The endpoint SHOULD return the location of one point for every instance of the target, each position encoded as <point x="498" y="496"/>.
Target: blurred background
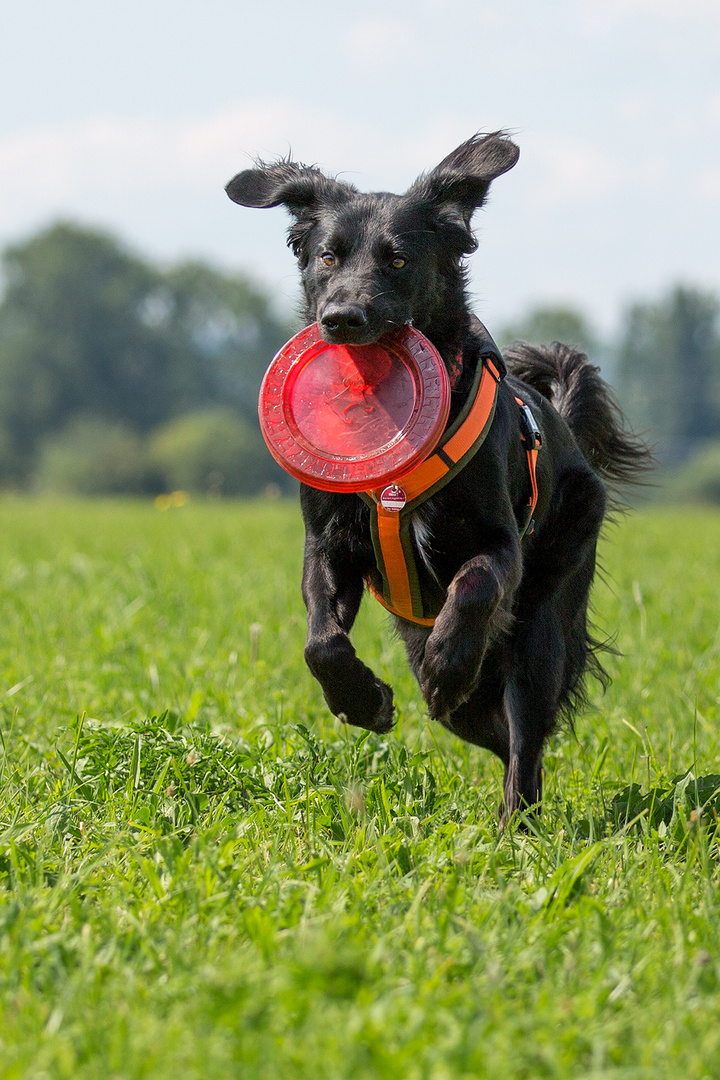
<point x="139" y="308"/>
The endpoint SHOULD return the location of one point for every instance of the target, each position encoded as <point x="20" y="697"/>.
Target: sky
<point x="132" y="117"/>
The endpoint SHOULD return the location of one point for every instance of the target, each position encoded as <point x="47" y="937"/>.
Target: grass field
<point x="203" y="875"/>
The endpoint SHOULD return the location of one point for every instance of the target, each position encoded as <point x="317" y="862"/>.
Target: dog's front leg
<point x="475" y="612"/>
<point x="332" y="591"/>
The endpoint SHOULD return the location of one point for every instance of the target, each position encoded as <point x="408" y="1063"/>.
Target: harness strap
<point x="391" y="534"/>
<point x="391" y="529"/>
<point x="532" y="440"/>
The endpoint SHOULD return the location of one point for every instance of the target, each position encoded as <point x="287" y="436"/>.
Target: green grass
<point x="202" y="874"/>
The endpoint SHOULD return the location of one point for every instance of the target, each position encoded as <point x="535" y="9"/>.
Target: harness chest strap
<point x="394" y="554"/>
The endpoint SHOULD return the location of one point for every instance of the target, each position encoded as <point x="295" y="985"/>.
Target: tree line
<point x="117" y="376"/>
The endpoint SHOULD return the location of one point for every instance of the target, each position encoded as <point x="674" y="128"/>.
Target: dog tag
<point x="393" y="498"/>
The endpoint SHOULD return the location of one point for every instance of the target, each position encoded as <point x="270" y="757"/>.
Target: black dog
<point x="510" y="645"/>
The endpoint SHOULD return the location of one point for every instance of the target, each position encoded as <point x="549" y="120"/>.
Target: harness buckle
<point x="529" y="429"/>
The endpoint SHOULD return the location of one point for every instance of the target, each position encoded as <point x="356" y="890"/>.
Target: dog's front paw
<point x="373" y="709"/>
<point x="448" y="675"/>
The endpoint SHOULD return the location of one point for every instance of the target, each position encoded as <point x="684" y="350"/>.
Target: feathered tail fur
<point x="578" y="392"/>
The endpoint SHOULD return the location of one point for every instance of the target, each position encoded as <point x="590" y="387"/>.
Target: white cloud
<point x="63" y="167"/>
<point x="115" y="153"/>
<point x="561" y="170"/>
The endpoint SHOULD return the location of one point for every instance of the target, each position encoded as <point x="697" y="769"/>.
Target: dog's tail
<point x="587" y="404"/>
<point x="585" y="401"/>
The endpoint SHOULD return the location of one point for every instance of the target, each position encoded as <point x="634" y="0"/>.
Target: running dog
<point x="502" y="646"/>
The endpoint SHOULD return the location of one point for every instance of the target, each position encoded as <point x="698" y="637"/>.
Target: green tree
<point x="226" y="323"/>
<point x="543" y="325"/>
<point x="215" y="452"/>
<point x="91" y="456"/>
<point x="89" y="330"/>
<point x="73" y="336"/>
<point x="668" y="368"/>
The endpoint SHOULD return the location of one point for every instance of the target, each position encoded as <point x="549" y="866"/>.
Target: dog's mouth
<point x="341" y="337"/>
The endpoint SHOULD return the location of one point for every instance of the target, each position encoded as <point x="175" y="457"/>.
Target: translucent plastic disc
<point x="354" y="417"/>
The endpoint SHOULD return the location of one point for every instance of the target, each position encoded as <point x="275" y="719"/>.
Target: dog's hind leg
<point x="551" y="647"/>
<point x="332" y="592"/>
<point x="481" y="720"/>
<point x="533" y="698"/>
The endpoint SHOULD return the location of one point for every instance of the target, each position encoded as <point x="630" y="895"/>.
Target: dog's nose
<point x="343" y="318"/>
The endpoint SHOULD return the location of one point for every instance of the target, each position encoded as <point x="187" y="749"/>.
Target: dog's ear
<point x="465" y="175"/>
<point x="461" y="181"/>
<point x="302" y="189"/>
<point x="286" y="183"/>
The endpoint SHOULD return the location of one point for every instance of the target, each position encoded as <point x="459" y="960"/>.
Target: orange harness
<point x="392" y="541"/>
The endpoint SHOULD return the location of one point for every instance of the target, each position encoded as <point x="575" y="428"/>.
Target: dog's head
<point x="372" y="262"/>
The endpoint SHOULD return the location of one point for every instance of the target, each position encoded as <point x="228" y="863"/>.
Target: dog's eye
<point x="328" y="258"/>
<point x="398" y="262"/>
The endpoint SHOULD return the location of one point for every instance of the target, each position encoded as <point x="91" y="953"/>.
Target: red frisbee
<point x="354" y="417"/>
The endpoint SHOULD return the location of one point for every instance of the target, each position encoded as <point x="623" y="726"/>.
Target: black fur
<point x="510" y="647"/>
